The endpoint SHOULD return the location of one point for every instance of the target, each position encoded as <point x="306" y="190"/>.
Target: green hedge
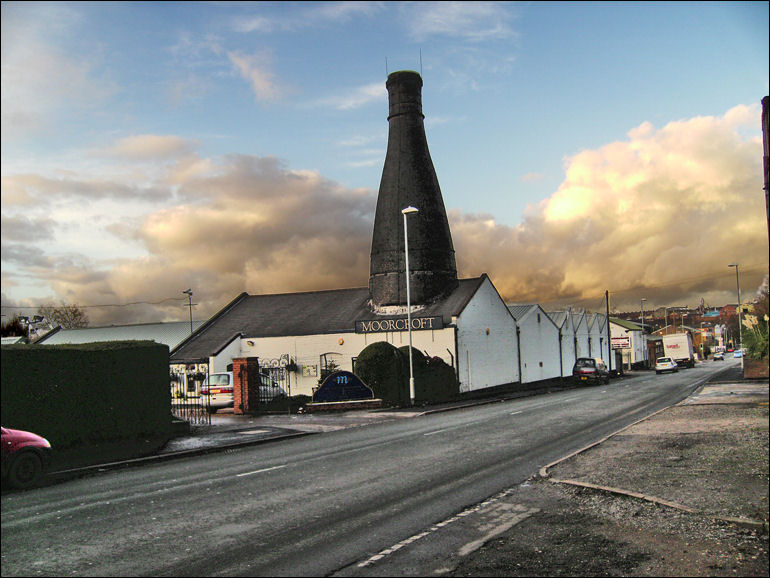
<point x="385" y="369"/>
<point x="90" y="393"/>
<point x="380" y="366"/>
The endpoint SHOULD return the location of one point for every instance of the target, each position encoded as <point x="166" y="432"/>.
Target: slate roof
<point x="311" y="313"/>
<point x="171" y="333"/>
<point x="559" y="318"/>
<point x="630" y="325"/>
<point x="519" y="311"/>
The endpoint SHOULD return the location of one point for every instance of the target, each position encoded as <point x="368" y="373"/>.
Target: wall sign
<point x="621" y="342"/>
<point x="342" y="386"/>
<point x="399" y="324"/>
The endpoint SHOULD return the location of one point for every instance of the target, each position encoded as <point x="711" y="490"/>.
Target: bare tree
<point x="14" y="328"/>
<point x="68" y="316"/>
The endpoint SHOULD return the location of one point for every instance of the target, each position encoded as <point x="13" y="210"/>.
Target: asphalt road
<point x="312" y="506"/>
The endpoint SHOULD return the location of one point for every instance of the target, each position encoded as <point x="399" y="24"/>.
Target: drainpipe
<point x="518" y="350"/>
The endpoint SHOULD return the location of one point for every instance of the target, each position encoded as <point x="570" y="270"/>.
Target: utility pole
<point x="609" y="333"/>
<point x="189" y="294"/>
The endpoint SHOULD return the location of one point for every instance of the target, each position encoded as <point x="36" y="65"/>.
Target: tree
<point x="14" y="328"/>
<point x="67" y="316"/>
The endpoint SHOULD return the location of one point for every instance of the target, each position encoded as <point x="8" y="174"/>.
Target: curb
<point x="174" y="455"/>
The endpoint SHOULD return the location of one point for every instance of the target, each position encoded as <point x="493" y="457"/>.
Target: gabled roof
<point x="171" y="333"/>
<point x="630" y="325"/>
<point x="578" y="319"/>
<point x="521" y="312"/>
<point x="310" y="313"/>
<point x="559" y="318"/>
<point x="596" y="319"/>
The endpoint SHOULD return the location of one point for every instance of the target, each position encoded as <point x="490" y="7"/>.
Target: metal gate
<point x="185" y="395"/>
<point x="274" y="388"/>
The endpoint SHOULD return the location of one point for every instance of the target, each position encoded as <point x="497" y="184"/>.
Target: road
<point x="340" y="502"/>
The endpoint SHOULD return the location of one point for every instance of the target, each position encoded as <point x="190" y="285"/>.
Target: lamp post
<point x="644" y="338"/>
<point x="408" y="211"/>
<point x="189" y="297"/>
<point x="738" y="285"/>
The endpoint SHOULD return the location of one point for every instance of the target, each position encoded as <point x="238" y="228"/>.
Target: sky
<point x="228" y="147"/>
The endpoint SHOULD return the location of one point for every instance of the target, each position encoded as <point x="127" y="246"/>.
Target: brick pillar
<point x="245" y="385"/>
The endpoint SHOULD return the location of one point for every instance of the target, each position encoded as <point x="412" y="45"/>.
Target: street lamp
<point x="644" y="339"/>
<point x="738" y="285"/>
<point x="189" y="297"/>
<point x="408" y="211"/>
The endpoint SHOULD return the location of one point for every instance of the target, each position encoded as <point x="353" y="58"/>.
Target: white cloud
<point x="40" y="78"/>
<point x="151" y="146"/>
<point x="474" y="21"/>
<point x="255" y="68"/>
<point x="663" y="211"/>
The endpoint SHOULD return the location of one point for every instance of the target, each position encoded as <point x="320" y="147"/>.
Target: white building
<point x="581" y="334"/>
<point x="598" y="339"/>
<point x="539" y="345"/>
<point x="629" y="339"/>
<point x="471" y="329"/>
<point x="563" y="321"/>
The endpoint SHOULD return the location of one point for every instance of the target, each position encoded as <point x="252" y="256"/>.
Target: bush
<point x="385" y="369"/>
<point x="434" y="379"/>
<point x="381" y="367"/>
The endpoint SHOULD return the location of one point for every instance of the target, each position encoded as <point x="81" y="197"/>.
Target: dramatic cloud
<point x="663" y="212"/>
<point x="658" y="215"/>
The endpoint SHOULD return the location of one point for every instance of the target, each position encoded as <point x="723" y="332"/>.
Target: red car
<point x="25" y="457"/>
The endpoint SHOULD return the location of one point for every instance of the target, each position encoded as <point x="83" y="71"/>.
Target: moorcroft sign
<point x="380" y="325"/>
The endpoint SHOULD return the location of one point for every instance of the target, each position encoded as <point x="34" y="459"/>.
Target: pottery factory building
<point x="463" y="321"/>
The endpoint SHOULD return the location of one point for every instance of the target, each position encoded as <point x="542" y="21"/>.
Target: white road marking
<point x="260" y="471"/>
<point x="497" y="517"/>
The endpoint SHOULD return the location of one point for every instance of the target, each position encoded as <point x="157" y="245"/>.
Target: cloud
<point x="356" y="97"/>
<point x="657" y="215"/>
<point x="661" y="213"/>
<point x="474" y="21"/>
<point x="40" y="78"/>
<point x="255" y="68"/>
<point x="151" y="146"/>
<point x="306" y="15"/>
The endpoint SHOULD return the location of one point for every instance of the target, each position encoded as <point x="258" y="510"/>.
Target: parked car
<point x="217" y="391"/>
<point x="719" y="356"/>
<point x="664" y="364"/>
<point x="25" y="457"/>
<point x="590" y="370"/>
<point x="738" y="353"/>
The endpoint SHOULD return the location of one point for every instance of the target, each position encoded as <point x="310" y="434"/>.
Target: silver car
<point x="664" y="364"/>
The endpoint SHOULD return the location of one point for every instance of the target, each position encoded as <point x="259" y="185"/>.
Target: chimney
<point x="409" y="179"/>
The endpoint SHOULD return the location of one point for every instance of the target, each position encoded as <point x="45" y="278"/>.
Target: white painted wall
<point x="580" y="327"/>
<point x="598" y="336"/>
<point x="218" y="363"/>
<point x="539" y="346"/>
<point x="636" y="352"/>
<point x="567" y="346"/>
<point x="486" y="342"/>
<point x="306" y="350"/>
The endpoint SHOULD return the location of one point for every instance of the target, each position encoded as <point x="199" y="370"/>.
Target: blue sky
<point x="238" y="146"/>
